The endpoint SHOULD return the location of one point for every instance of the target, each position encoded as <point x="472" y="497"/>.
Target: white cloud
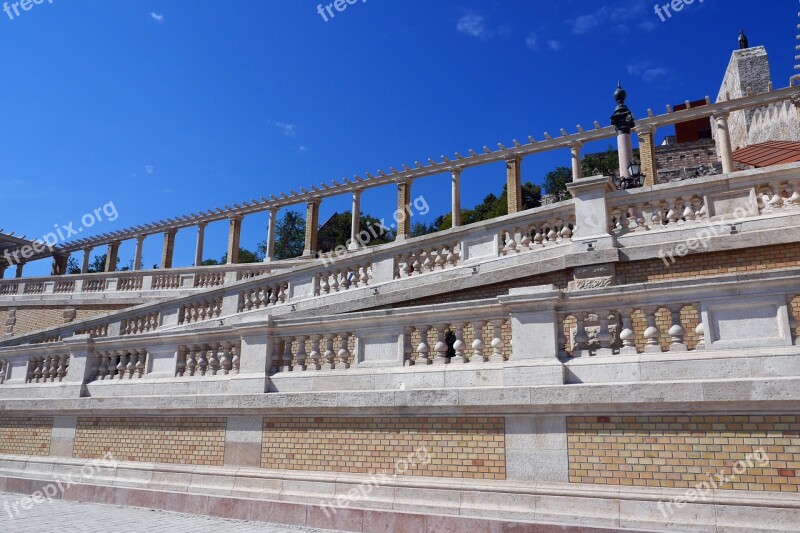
<point x="289" y="130"/>
<point x="554" y="45"/>
<point x="473" y="25"/>
<point x="647" y="71"/>
<point x="532" y="41"/>
<point x="302" y="149"/>
<point x="157" y="17"/>
<point x="618" y="17"/>
<point x="148" y="169"/>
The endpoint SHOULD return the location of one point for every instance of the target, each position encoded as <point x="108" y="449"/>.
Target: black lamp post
<point x="635" y="176"/>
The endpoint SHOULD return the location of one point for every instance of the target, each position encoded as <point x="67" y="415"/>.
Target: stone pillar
<point x="625" y="151"/>
<point x="591" y="214"/>
<point x="111" y="256"/>
<point x="19" y="270"/>
<point x="355" y="223"/>
<point x="137" y="256"/>
<point x="455" y="208"/>
<point x="403" y="210"/>
<point x="577" y="168"/>
<point x="514" y="184"/>
<point x="168" y="249"/>
<point x="724" y="142"/>
<point x="86" y="255"/>
<point x="59" y="265"/>
<point x="622" y="120"/>
<point x="312" y="226"/>
<point x="198" y="250"/>
<point x="272" y="225"/>
<point x="234" y="237"/>
<point x="647" y="153"/>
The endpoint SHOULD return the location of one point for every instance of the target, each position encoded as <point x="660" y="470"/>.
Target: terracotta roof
<point x="768" y="154"/>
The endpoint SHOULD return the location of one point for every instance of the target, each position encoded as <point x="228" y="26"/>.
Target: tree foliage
<point x="290" y="236"/>
<point x="336" y="232"/>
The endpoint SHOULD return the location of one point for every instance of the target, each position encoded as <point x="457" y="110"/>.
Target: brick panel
<point x="179" y="440"/>
<point x="459" y="447"/>
<point x="682" y="451"/>
<point x="30" y="319"/>
<point x="25" y="435"/>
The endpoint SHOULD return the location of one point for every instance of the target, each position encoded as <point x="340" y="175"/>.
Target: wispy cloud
<point x="623" y="15"/>
<point x="554" y="45"/>
<point x="474" y="25"/>
<point x="302" y="149"/>
<point x="149" y="169"/>
<point x="648" y="71"/>
<point x="157" y="17"/>
<point x="532" y="41"/>
<point x="289" y="130"/>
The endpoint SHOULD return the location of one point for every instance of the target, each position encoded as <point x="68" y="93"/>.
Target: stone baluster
<point x="334" y="283"/>
<point x="344" y="353"/>
<point x="700" y="331"/>
<point x="102" y="370"/>
<point x="776" y="201"/>
<point x="213" y="361"/>
<point x="657" y="214"/>
<point x="60" y="367"/>
<point x="497" y="342"/>
<point x="141" y="363"/>
<point x="452" y="256"/>
<point x="45" y="369"/>
<point x="689" y="211"/>
<point x="478" y="344"/>
<point x="562" y="339"/>
<point x="651" y="334"/>
<point x="282" y="292"/>
<point x="315" y="356"/>
<point x="552" y="235"/>
<point x="348" y="276"/>
<point x="287" y="354"/>
<point x="329" y="355"/>
<point x="130" y="368"/>
<point x="625" y="221"/>
<point x="627" y="335"/>
<point x="538" y="237"/>
<point x="566" y="233"/>
<point x="364" y="278"/>
<point x="676" y="331"/>
<point x="459" y="345"/>
<point x="581" y="348"/>
<point x="604" y="336"/>
<point x="511" y="244"/>
<point x="273" y="294"/>
<point x="672" y="212"/>
<point x="441" y="345"/>
<point x="180" y="364"/>
<point x="202" y="359"/>
<point x="794" y="198"/>
<point x="236" y="357"/>
<point x="301" y="355"/>
<point x="226" y="361"/>
<point x="192" y="354"/>
<point x="423" y="350"/>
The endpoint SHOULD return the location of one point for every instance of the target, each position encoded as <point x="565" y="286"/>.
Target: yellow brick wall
<point x="36" y="318"/>
<point x="25" y="435"/>
<point x="682" y="451"/>
<point x="179" y="440"/>
<point x="459" y="447"/>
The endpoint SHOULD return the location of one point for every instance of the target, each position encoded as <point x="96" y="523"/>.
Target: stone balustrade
<point x="119" y="364"/>
<point x="263" y="295"/>
<point x="342" y="279"/>
<point x="200" y="311"/>
<point x="47" y="368"/>
<point x="428" y="259"/>
<point x="140" y="324"/>
<point x="549" y="230"/>
<point x="208" y="359"/>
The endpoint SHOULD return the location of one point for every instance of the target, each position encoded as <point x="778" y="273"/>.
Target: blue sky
<point x="169" y="107"/>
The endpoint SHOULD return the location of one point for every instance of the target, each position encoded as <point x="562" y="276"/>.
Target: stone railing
<point x="119" y="364"/>
<point x="141" y="281"/>
<point x="140" y="324"/>
<point x="547" y="230"/>
<point x="200" y="311"/>
<point x="208" y="359"/>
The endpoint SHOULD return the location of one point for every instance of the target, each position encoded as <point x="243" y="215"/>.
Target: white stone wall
<point x="778" y="122"/>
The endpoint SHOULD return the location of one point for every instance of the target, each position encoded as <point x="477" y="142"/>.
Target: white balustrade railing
<point x="200" y="311"/>
<point x="342" y="279"/>
<point x="47" y="368"/>
<point x="427" y="259"/>
<point x="207" y="280"/>
<point x="263" y="295"/>
<point x="208" y="359"/>
<point x="140" y="324"/>
<point x="100" y="330"/>
<point x="36" y="287"/>
<point x="130" y="283"/>
<point x="64" y="287"/>
<point x="120" y="364"/>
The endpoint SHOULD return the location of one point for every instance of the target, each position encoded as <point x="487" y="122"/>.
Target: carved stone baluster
<point x="133" y="358"/>
<point x="452" y="257"/>
<point x="44" y="370"/>
<point x="538" y="237"/>
<point x="700" y="331"/>
<point x="627" y="335"/>
<point x="329" y="355"/>
<point x="672" y="215"/>
<point x="657" y="214"/>
<point x="315" y="356"/>
<point x="349" y="278"/>
<point x="497" y="342"/>
<point x="459" y="345"/>
<point x="364" y="278"/>
<point x="287" y="354"/>
<point x="122" y="364"/>
<point x="651" y="334"/>
<point x="676" y="331"/>
<point x="511" y="243"/>
<point x="423" y="350"/>
<point x="441" y="346"/>
<point x="202" y="359"/>
<point x="273" y="294"/>
<point x="625" y="221"/>
<point x="604" y="336"/>
<point x="552" y="235"/>
<point x="344" y="353"/>
<point x="334" y="281"/>
<point x="581" y="348"/>
<point x="213" y="361"/>
<point x="275" y="360"/>
<point x="688" y="212"/>
<point x="566" y="233"/>
<point x="525" y="243"/>
<point x="180" y="364"/>
<point x="562" y="339"/>
<point x="141" y="363"/>
<point x="478" y="346"/>
<point x="301" y="355"/>
<point x="191" y="364"/>
<point x="282" y="292"/>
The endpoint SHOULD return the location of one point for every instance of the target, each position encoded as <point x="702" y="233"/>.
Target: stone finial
<point x="743" y="43"/>
<point x="622" y="119"/>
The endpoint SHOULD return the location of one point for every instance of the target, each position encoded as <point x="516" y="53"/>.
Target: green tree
<point x="555" y="183"/>
<point x="336" y="232"/>
<point x="72" y="266"/>
<point x="245" y="257"/>
<point x="99" y="264"/>
<point x="290" y="236"/>
<point x="210" y="262"/>
<point x="491" y="207"/>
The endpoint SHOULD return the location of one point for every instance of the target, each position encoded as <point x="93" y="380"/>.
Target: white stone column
<point x="456" y="197"/>
<point x="625" y="150"/>
<point x="198" y="250"/>
<point x="137" y="258"/>
<point x="723" y="139"/>
<point x="577" y="168"/>
<point x="86" y="255"/>
<point x="271" y="226"/>
<point x="355" y="223"/>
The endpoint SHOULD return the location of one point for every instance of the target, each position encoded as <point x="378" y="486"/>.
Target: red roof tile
<point x="768" y="154"/>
